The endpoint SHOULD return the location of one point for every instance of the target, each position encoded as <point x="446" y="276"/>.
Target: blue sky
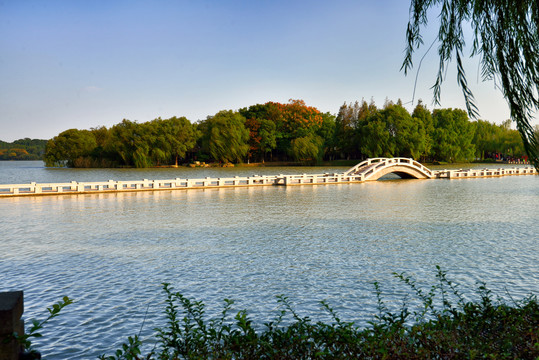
<point x="82" y="64"/>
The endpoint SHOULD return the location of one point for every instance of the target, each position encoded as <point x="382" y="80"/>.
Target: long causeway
<point x="368" y="170"/>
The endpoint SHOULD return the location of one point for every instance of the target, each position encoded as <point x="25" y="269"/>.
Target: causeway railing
<point x="475" y="173"/>
<point x="174" y="184"/>
<point x="314" y="179"/>
<point x="75" y="187"/>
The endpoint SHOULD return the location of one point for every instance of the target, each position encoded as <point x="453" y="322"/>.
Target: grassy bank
<point x="444" y="326"/>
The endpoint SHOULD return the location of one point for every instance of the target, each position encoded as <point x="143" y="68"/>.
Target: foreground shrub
<point x="444" y="326"/>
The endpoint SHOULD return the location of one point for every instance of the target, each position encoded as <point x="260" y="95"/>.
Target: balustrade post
<point x="11" y="309"/>
<point x="33" y="187"/>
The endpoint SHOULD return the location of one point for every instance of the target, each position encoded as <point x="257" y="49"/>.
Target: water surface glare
<point x="112" y="252"/>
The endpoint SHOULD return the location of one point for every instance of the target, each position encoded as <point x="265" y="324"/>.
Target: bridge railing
<point x="365" y="163"/>
<point x="420" y="166"/>
<point x="172" y="184"/>
<point x="132" y="185"/>
<point x="474" y="173"/>
<point x="377" y="163"/>
<point x="314" y="179"/>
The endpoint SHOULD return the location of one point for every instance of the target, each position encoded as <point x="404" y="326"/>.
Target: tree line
<point x="288" y="132"/>
<point x="447" y="135"/>
<point x="22" y="149"/>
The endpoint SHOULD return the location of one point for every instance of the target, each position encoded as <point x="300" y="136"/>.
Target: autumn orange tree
<point x="287" y="130"/>
<point x="13" y="154"/>
<point x="297" y="119"/>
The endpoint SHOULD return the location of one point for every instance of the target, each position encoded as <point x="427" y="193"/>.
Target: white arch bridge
<point x="373" y="169"/>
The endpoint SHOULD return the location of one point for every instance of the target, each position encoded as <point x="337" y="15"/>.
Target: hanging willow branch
<point x="506" y="39"/>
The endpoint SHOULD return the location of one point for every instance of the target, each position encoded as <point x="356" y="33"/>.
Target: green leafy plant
<point x="34" y="331"/>
<point x="444" y="325"/>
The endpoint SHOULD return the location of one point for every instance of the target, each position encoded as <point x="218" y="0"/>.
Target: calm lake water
<point x="112" y="252"/>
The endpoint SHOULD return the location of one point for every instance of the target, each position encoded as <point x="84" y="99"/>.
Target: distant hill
<point x="23" y="149"/>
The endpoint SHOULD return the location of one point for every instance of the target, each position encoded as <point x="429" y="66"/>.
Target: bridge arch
<point x="373" y="169"/>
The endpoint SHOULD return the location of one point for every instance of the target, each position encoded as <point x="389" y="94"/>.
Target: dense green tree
<point x="511" y="142"/>
<point x="327" y="134"/>
<point x="453" y="135"/>
<point x="102" y="137"/>
<point x="350" y="124"/>
<point x="375" y="138"/>
<point x="486" y="138"/>
<point x="225" y="136"/>
<point x="491" y="139"/>
<point x="422" y="114"/>
<point x="156" y="142"/>
<point x="308" y="148"/>
<point x="173" y="137"/>
<point x="345" y="129"/>
<point x="129" y="144"/>
<point x="407" y="133"/>
<point x="69" y="147"/>
<point x="268" y="136"/>
<point x="392" y="131"/>
<point x="506" y="39"/>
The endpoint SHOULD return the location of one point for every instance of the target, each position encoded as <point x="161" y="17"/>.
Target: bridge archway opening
<point x="404" y="172"/>
<point x="396" y="175"/>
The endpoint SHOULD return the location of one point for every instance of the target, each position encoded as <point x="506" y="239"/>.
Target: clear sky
<point x="82" y="64"/>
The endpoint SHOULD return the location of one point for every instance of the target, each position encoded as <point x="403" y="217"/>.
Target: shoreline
<point x="331" y="163"/>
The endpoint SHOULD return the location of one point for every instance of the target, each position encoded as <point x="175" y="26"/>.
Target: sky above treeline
<point x="83" y="64"/>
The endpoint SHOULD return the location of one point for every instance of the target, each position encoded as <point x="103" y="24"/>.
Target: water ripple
<point x="112" y="252"/>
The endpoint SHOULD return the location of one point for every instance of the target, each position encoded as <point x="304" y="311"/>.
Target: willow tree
<point x="225" y="137"/>
<point x="505" y="37"/>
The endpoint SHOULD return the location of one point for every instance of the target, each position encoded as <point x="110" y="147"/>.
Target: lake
<point x="112" y="252"/>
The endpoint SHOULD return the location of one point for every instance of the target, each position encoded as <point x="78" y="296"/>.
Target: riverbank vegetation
<point x="432" y="323"/>
<point x="289" y="132"/>
<point x="443" y="325"/>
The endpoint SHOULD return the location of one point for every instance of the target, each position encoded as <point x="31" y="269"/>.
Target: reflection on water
<point x="111" y="252"/>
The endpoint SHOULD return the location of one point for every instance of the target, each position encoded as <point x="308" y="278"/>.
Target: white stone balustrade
<point x="477" y="173"/>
